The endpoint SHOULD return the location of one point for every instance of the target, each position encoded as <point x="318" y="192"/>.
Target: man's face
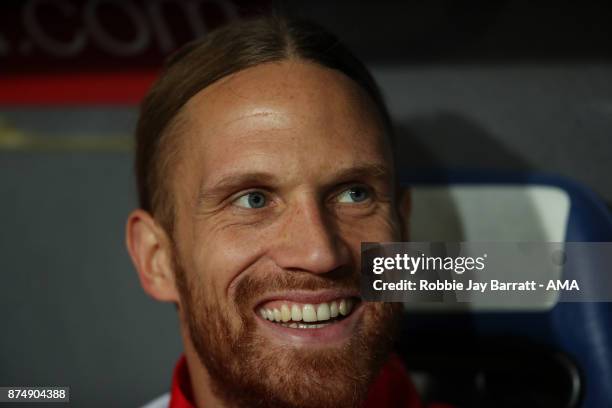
<point x="283" y="170"/>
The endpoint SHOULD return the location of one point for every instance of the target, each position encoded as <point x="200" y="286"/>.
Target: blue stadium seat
<point x="556" y="357"/>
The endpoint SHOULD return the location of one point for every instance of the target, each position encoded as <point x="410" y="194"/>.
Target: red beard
<point x="248" y="370"/>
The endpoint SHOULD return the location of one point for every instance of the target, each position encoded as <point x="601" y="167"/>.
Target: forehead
<point x="280" y="117"/>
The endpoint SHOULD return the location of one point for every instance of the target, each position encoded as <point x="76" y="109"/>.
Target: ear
<point x="404" y="208"/>
<point x="151" y="252"/>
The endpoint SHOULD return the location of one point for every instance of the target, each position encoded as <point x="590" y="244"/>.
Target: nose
<point x="309" y="241"/>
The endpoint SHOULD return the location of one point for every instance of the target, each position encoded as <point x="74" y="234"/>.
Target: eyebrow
<point x="362" y="171"/>
<point x="237" y="181"/>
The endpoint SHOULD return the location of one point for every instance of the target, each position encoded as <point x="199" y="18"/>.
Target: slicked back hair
<point x="227" y="50"/>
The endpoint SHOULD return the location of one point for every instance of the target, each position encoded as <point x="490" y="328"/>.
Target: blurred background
<point x="505" y="85"/>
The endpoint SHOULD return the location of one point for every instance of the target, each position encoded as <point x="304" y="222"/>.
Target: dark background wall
<point x="507" y="85"/>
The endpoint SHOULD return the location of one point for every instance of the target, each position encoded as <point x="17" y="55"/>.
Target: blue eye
<point x="253" y="199"/>
<point x="354" y="195"/>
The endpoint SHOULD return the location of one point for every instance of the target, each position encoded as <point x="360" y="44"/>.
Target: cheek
<point x="223" y="253"/>
<point x="378" y="227"/>
<point x="221" y="256"/>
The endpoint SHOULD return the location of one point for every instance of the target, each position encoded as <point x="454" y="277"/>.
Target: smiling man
<point x="263" y="161"/>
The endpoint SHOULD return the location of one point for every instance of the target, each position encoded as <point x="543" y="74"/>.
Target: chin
<point x="271" y="364"/>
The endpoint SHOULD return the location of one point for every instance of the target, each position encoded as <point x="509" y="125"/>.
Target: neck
<point x="203" y="395"/>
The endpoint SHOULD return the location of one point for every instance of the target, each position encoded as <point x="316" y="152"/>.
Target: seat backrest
<point x="516" y="207"/>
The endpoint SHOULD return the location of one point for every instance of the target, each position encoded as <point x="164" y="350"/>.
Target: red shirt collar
<point x="181" y="393"/>
<point x="391" y="389"/>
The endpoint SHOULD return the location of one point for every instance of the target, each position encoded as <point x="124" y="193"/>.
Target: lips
<point x="314" y="317"/>
<point x="306" y="315"/>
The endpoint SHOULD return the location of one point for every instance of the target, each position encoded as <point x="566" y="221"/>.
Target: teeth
<point x="310" y="326"/>
<point x="287" y="314"/>
<point x="304" y="326"/>
<point x="323" y="312"/>
<point x="296" y="313"/>
<point x="345" y="307"/>
<point x="309" y="314"/>
<point x="342" y="307"/>
<point x="333" y="309"/>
